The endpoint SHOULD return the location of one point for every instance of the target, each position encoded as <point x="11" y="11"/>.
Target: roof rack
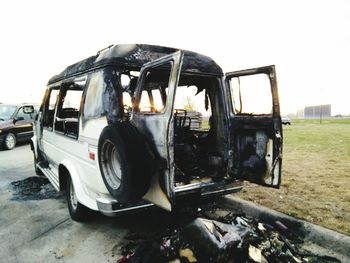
<point x="104" y="49"/>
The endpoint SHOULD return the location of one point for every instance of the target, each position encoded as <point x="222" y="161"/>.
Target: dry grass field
<point x="316" y="175"/>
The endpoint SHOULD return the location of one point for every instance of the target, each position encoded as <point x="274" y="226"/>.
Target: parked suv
<point x="16" y="124"/>
<point x="137" y="125"/>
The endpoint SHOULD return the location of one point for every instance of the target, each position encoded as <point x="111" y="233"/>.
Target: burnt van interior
<point x="198" y="131"/>
<point x="197" y="122"/>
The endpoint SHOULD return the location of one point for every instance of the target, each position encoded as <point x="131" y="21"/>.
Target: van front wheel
<point x="77" y="211"/>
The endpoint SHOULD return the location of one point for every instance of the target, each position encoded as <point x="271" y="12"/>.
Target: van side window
<point x="67" y="117"/>
<point x="49" y="107"/>
<point x="93" y="105"/>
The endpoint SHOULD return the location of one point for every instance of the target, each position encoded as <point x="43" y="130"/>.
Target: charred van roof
<point x="133" y="56"/>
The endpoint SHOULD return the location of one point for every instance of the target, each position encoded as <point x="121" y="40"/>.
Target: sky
<point x="308" y="41"/>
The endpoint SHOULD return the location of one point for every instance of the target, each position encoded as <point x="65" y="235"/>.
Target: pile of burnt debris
<point x="33" y="188"/>
<point x="219" y="236"/>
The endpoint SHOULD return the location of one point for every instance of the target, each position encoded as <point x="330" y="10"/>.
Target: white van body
<point x="87" y="102"/>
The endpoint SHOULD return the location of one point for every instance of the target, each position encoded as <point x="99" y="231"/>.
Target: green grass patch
<point x="316" y="174"/>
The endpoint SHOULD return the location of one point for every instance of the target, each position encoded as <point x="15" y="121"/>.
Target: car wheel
<point x="10" y="141"/>
<point x="77" y="211"/>
<point x="125" y="163"/>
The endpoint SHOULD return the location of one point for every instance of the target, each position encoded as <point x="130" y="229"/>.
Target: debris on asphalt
<point x="212" y="240"/>
<point x="187" y="254"/>
<point x="218" y="235"/>
<point x="255" y="254"/>
<point x="33" y="188"/>
<point x="205" y="234"/>
<point x="280" y="226"/>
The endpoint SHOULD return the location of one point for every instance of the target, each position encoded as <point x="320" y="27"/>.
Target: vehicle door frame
<point x="270" y="71"/>
<point x="157" y="129"/>
<point x="44" y="111"/>
<point x="23" y="128"/>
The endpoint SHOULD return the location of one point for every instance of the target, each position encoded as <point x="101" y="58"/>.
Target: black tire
<point x="77" y="211"/>
<point x="126" y="162"/>
<point x="10" y="141"/>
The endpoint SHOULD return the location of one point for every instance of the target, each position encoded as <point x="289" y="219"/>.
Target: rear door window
<point x="153" y="97"/>
<point x="251" y="94"/>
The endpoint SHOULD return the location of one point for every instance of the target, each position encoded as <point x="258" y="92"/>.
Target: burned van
<point x="141" y="125"/>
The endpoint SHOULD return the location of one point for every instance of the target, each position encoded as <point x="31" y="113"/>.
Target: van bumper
<point x="209" y="189"/>
<point x="112" y="207"/>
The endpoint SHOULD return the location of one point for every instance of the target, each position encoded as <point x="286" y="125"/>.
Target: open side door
<point x="153" y="116"/>
<point x="255" y="126"/>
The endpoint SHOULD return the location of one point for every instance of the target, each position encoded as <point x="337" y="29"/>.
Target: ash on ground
<point x="217" y="235"/>
<point x="33" y="188"/>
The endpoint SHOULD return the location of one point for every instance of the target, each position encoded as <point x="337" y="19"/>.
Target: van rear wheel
<point x="77" y="211"/>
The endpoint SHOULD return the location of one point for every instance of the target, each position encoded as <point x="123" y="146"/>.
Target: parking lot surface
<point x="41" y="230"/>
<point x="35" y="226"/>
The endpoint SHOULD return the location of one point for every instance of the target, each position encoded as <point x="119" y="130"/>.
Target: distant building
<point x="313" y="112"/>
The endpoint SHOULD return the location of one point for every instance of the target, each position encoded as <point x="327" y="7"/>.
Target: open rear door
<point x="255" y="126"/>
<point x="153" y="116"/>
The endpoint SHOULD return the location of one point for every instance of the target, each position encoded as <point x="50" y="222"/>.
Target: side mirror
<point x="28" y="109"/>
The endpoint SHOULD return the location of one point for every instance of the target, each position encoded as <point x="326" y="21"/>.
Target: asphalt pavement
<point x="42" y="230"/>
<point x="35" y="225"/>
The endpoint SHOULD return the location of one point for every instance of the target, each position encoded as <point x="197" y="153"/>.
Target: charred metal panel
<point x="256" y="139"/>
<point x="113" y="98"/>
<point x="134" y="56"/>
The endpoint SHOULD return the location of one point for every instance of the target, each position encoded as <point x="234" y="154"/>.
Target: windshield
<point x="6" y="112"/>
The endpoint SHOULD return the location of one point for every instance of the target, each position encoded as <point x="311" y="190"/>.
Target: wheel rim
<point x="10" y="141"/>
<point x="73" y="197"/>
<point x="111" y="165"/>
